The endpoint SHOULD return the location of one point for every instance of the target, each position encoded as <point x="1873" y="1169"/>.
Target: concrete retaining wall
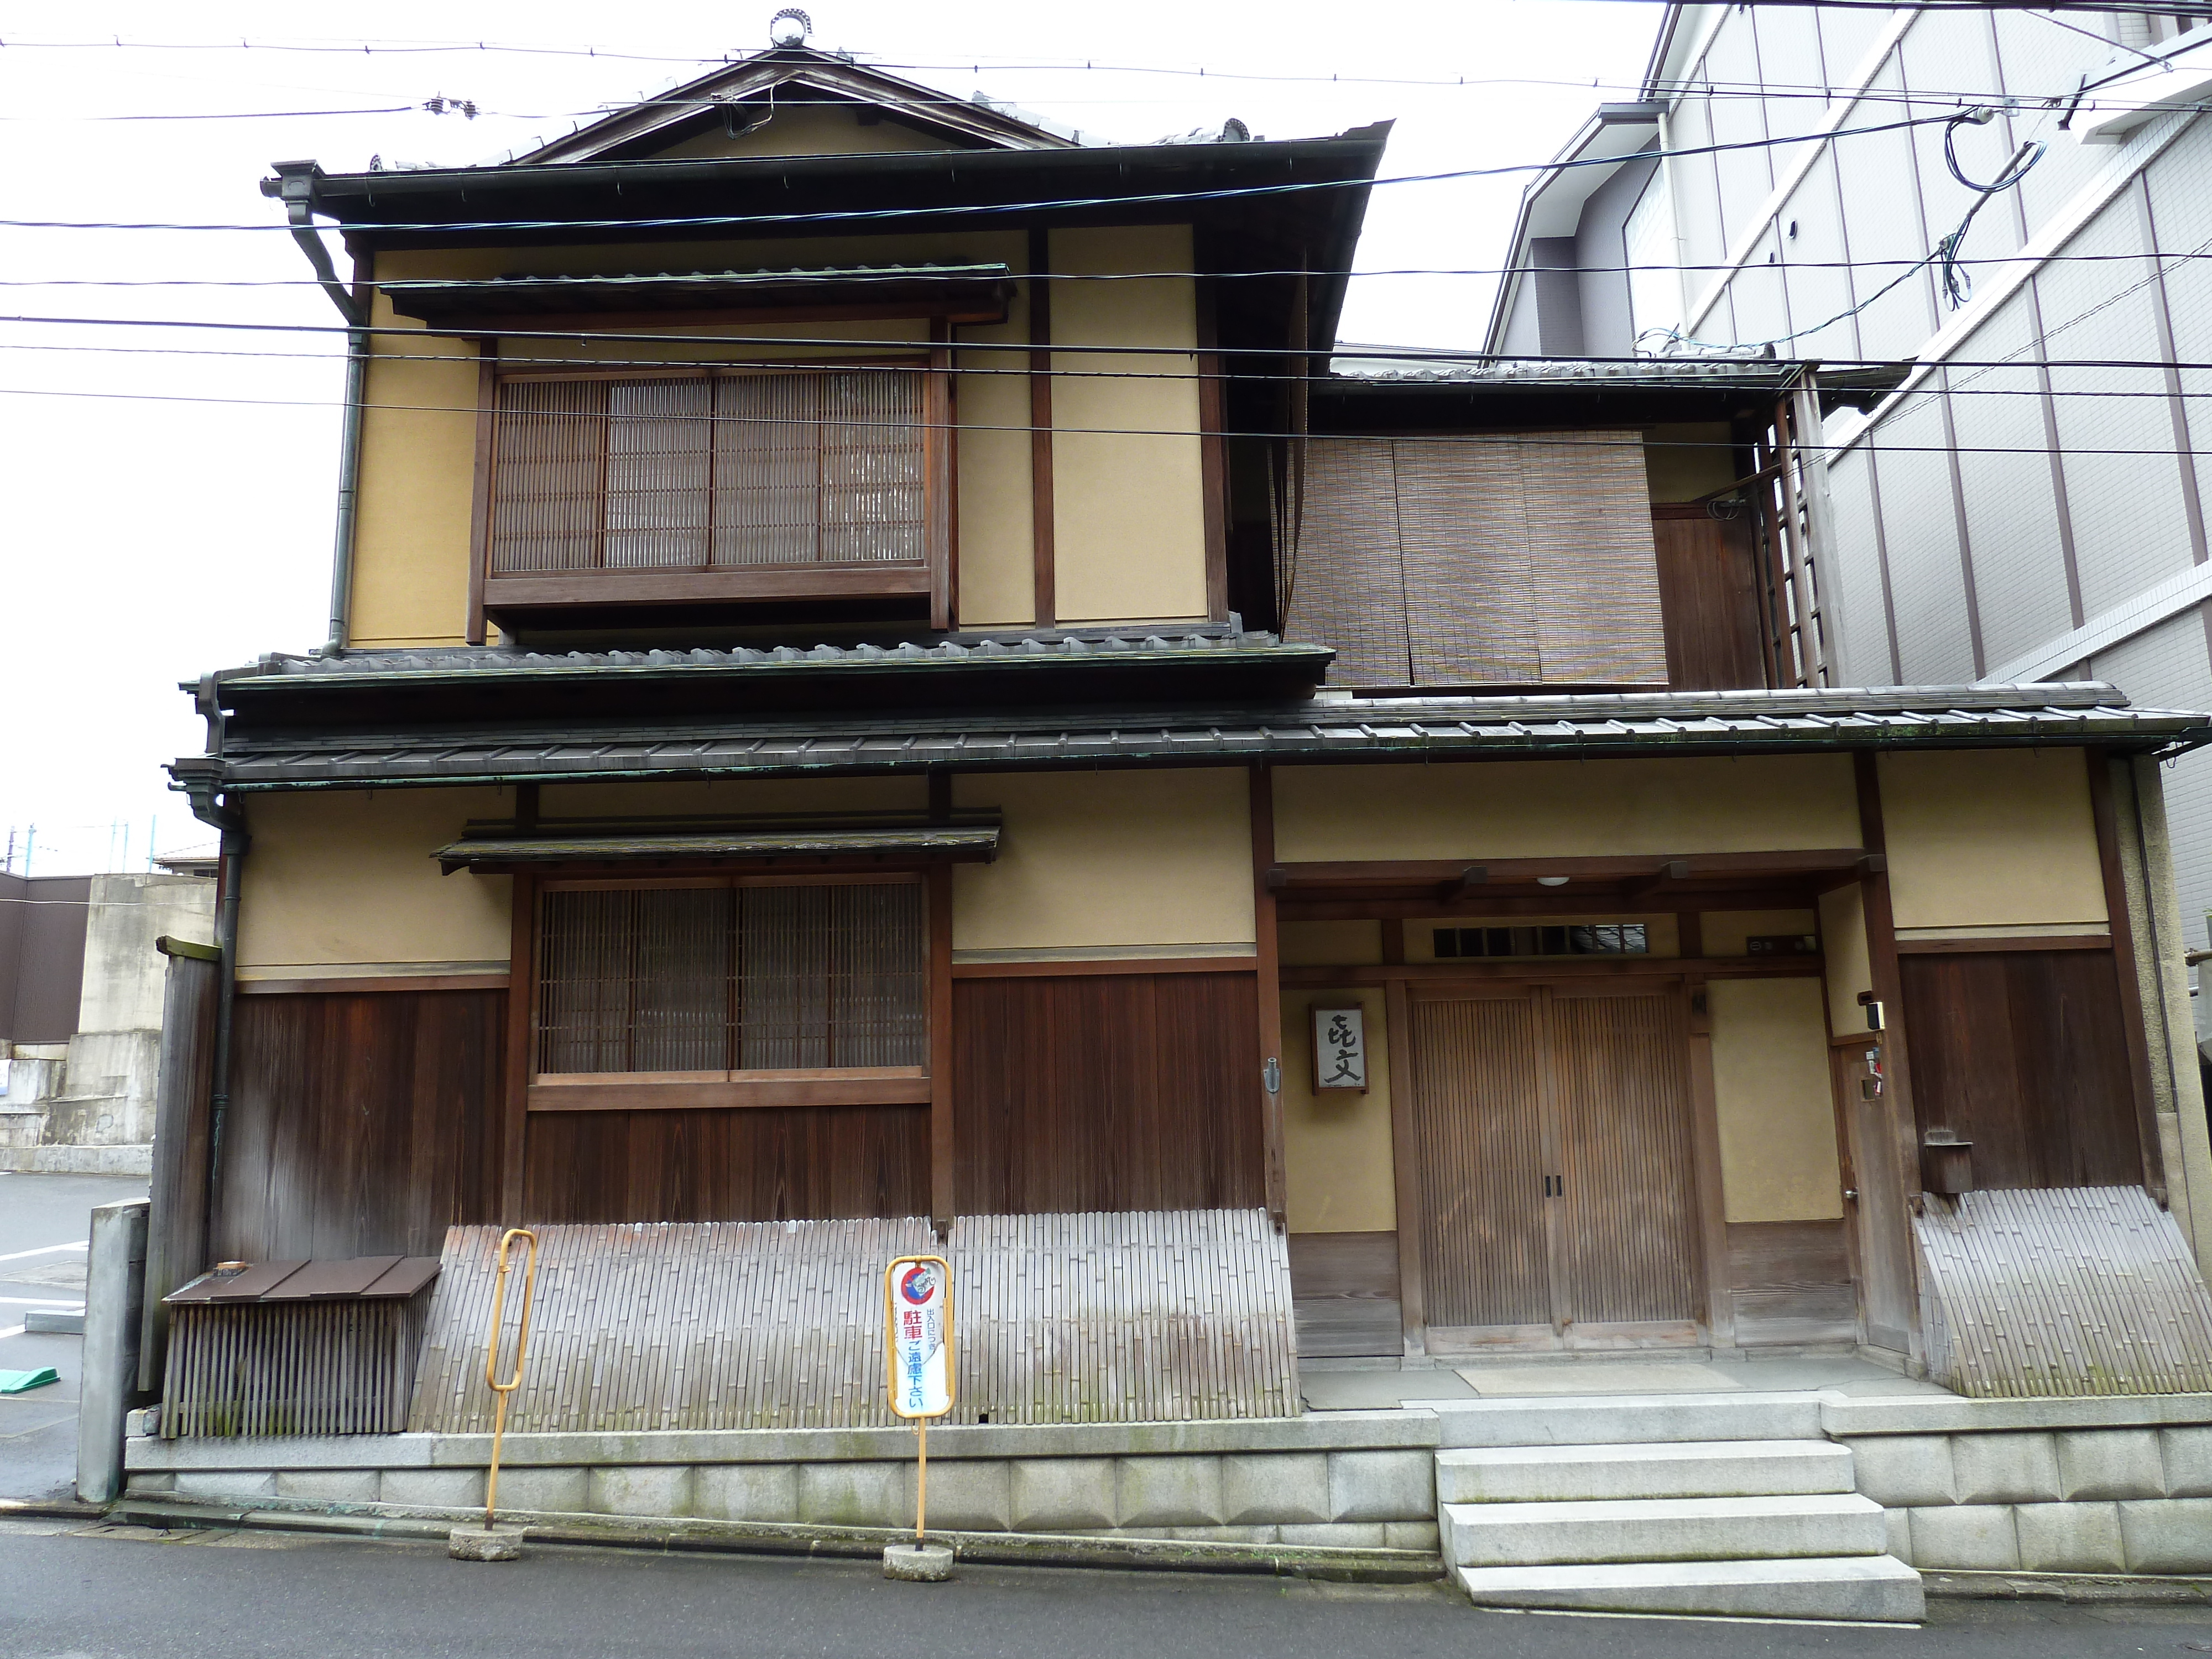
<point x="2036" y="1485"/>
<point x="1351" y="1480"/>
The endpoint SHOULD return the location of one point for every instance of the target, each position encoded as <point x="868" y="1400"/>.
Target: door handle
<point x="1851" y="1194"/>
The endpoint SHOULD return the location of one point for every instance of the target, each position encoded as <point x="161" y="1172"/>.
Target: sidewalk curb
<point x="740" y="1538"/>
<point x="2117" y="1589"/>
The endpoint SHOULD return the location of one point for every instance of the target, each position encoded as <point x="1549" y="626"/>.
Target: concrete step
<point x="1627" y="1420"/>
<point x="1661" y="1529"/>
<point x="1695" y="1468"/>
<point x="1874" y="1588"/>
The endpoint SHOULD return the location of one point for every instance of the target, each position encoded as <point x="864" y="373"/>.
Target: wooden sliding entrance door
<point x="1554" y="1159"/>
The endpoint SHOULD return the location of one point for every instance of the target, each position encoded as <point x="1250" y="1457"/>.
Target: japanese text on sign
<point x="1340" y="1049"/>
<point x="919" y="1309"/>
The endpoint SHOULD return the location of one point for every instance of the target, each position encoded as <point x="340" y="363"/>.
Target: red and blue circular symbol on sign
<point x="918" y="1284"/>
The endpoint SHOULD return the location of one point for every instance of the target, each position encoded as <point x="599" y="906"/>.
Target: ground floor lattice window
<point x="732" y="977"/>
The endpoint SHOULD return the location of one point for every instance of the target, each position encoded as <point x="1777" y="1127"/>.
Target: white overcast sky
<point x="144" y="540"/>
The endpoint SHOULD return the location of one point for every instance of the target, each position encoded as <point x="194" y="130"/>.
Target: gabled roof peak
<point x="742" y="94"/>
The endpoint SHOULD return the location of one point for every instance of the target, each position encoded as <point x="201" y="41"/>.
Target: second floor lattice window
<point x="709" y="472"/>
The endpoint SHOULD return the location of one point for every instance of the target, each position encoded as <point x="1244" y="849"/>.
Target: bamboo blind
<point x="702" y="473"/>
<point x="732" y="978"/>
<point x="1514" y="559"/>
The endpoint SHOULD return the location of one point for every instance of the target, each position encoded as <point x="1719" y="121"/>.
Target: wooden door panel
<point x="1627" y="1221"/>
<point x="1479" y="1147"/>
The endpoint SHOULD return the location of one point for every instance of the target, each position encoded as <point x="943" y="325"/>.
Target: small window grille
<point x="1603" y="938"/>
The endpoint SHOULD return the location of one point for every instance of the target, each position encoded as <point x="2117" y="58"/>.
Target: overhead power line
<point x="848" y="215"/>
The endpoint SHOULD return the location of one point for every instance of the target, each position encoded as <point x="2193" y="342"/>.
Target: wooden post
<point x="1893" y="1158"/>
<point x="2137" y="1014"/>
<point x="1398" y="1035"/>
<point x="486" y="462"/>
<point x="941" y="1144"/>
<point x="1270" y="990"/>
<point x="521" y="983"/>
<point x="1041" y="543"/>
<point x="938" y="447"/>
<point x="1214" y="460"/>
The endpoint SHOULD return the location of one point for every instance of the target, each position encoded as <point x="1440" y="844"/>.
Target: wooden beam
<point x="733" y="583"/>
<point x="942" y="1145"/>
<point x="908" y="1085"/>
<point x="1956" y="947"/>
<point x="2126" y="967"/>
<point x="1569" y="902"/>
<point x="1269" y="967"/>
<point x="1551" y="967"/>
<point x="1669" y="866"/>
<point x="521" y="988"/>
<point x="362" y="984"/>
<point x="1094" y="966"/>
<point x="1707" y="1188"/>
<point x="1045" y="572"/>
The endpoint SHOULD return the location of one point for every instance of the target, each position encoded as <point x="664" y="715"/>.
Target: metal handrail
<point x="502" y="1391"/>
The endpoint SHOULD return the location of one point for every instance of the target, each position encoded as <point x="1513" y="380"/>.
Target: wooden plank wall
<point x="1106" y="1091"/>
<point x="1789" y="1283"/>
<point x="1709" y="596"/>
<point x="177" y="1220"/>
<point x="1345" y="1288"/>
<point x="2024" y="1053"/>
<point x="784" y="1163"/>
<point x="360" y="1125"/>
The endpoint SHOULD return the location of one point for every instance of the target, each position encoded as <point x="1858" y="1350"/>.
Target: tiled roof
<point x="1324" y="728"/>
<point x="483" y="665"/>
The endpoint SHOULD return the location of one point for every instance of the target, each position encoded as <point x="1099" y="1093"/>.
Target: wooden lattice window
<point x="699" y="472"/>
<point x="728" y="980"/>
<point x="737" y="484"/>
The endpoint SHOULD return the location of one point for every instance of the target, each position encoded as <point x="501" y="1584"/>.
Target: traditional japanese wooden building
<point x="887" y="673"/>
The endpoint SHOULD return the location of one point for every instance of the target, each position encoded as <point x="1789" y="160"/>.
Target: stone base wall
<point x="2038" y="1485"/>
<point x="1361" y="1485"/>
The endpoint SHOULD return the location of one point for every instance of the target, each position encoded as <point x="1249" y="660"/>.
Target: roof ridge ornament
<point x="789" y="27"/>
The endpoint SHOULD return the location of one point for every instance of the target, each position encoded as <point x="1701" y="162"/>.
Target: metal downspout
<point x="294" y="185"/>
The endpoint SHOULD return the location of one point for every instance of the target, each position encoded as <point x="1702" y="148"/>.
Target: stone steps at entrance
<point x="1876" y="1588"/>
<point x="1729" y="1505"/>
<point x="1697" y="1469"/>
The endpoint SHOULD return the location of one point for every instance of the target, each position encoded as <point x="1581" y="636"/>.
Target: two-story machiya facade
<point x="880" y="679"/>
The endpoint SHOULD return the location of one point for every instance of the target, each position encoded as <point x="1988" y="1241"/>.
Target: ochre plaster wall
<point x="346" y="880"/>
<point x="1990" y="838"/>
<point x="1328" y="944"/>
<point x="1726" y="933"/>
<point x="805" y="132"/>
<point x="419" y="436"/>
<point x="1843" y="957"/>
<point x="1336" y="1145"/>
<point x="1682" y="463"/>
<point x="1771" y="1092"/>
<point x="1128" y="504"/>
<point x="1534" y="809"/>
<point x="1094" y="862"/>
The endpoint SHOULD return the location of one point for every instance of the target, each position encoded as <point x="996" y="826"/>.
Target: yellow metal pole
<point x="501" y="1391"/>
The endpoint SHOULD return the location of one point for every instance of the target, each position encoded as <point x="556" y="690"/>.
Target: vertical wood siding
<point x="177" y="1219"/>
<point x="1709" y="595"/>
<point x="812" y="1163"/>
<point x="360" y="1125"/>
<point x="2024" y="1053"/>
<point x="1106" y="1091"/>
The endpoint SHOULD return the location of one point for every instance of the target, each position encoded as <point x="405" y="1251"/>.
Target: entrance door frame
<point x="1682" y="981"/>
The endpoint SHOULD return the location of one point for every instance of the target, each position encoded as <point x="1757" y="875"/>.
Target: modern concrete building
<point x="82" y="1052"/>
<point x="2030" y="503"/>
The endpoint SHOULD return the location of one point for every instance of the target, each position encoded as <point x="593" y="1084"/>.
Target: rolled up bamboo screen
<point x="698" y="472"/>
<point x="728" y="978"/>
<point x="1522" y="558"/>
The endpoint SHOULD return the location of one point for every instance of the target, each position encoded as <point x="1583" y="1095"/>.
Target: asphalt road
<point x="37" y="1212"/>
<point x="129" y="1594"/>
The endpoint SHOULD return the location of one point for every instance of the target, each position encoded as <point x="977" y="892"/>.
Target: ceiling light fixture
<point x="1552" y="881"/>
